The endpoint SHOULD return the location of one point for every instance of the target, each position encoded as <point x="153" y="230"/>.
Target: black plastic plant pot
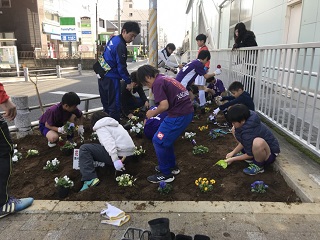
<point x="63" y="192"/>
<point x="67" y="151"/>
<point x="159" y="227"/>
<point x="139" y="135"/>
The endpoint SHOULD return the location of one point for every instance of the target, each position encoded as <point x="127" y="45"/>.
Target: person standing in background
<point x="163" y="57"/>
<point x="245" y="38"/>
<point x="200" y="81"/>
<point x="8" y="204"/>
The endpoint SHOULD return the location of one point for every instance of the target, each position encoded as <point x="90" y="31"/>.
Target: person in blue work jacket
<point x="115" y="55"/>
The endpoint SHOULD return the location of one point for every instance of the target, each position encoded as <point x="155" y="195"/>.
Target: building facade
<point x="274" y="22"/>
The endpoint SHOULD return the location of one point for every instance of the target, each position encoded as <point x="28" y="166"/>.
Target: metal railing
<point x="58" y="72"/>
<point x="55" y="54"/>
<point x="284" y="82"/>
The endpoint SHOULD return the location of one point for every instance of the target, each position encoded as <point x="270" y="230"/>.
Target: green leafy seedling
<point x="222" y="163"/>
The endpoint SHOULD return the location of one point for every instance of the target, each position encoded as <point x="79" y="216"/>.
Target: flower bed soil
<point x="29" y="179"/>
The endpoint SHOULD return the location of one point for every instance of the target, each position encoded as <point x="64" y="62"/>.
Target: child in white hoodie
<point x="115" y="143"/>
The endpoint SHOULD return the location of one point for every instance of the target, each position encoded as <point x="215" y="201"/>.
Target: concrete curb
<point x="55" y="206"/>
<point x="296" y="169"/>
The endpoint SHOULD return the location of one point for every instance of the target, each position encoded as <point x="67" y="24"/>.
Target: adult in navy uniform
<point x="115" y="55"/>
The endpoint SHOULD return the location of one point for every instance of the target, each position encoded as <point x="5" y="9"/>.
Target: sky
<point x="171" y="16"/>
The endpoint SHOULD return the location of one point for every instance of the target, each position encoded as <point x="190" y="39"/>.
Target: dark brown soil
<point x="29" y="179"/>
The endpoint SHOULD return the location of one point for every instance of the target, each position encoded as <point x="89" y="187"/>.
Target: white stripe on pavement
<point x="87" y="95"/>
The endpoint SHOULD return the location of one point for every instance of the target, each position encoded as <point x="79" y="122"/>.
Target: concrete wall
<point x="268" y="21"/>
<point x="310" y="21"/>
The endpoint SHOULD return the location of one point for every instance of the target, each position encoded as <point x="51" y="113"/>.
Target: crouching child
<point x="115" y="145"/>
<point x="52" y="122"/>
<point x="255" y="140"/>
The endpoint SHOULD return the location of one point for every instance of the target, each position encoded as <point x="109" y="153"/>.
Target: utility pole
<point x="119" y="19"/>
<point x="144" y="42"/>
<point x="97" y="33"/>
<point x="153" y="34"/>
<point x="153" y="40"/>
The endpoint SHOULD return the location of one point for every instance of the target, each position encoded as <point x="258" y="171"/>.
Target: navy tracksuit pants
<point x="6" y="153"/>
<point x="110" y="93"/>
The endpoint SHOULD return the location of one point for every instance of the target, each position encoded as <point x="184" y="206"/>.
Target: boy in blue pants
<point x="174" y="98"/>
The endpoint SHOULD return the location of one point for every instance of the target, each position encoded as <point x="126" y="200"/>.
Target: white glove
<point x="216" y="111"/>
<point x="80" y="130"/>
<point x="118" y="165"/>
<point x="217" y="71"/>
<point x="61" y="130"/>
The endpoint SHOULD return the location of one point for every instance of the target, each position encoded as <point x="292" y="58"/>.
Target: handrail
<point x="284" y="81"/>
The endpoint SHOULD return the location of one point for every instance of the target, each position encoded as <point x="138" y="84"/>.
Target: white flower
<point x="189" y="135"/>
<point x="32" y="152"/>
<point x="56" y="179"/>
<point x="125" y="180"/>
<point x="15" y="158"/>
<point x="138" y="128"/>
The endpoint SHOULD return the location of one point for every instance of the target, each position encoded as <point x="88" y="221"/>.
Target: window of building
<point x="52" y="16"/>
<point x="130" y="14"/>
<point x="5" y="3"/>
<point x="130" y="5"/>
<point x="101" y="23"/>
<point x="7" y="35"/>
<point x="240" y="11"/>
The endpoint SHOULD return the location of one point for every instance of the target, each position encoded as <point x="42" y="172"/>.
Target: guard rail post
<point x="80" y="69"/>
<point x="58" y="71"/>
<point x="26" y="74"/>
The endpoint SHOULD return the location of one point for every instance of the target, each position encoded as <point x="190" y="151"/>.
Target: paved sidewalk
<point x="219" y="220"/>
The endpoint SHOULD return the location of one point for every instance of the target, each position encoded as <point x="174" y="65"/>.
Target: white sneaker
<point x="50" y="144"/>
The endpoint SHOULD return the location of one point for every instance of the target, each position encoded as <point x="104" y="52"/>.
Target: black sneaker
<point x="174" y="171"/>
<point x="160" y="177"/>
